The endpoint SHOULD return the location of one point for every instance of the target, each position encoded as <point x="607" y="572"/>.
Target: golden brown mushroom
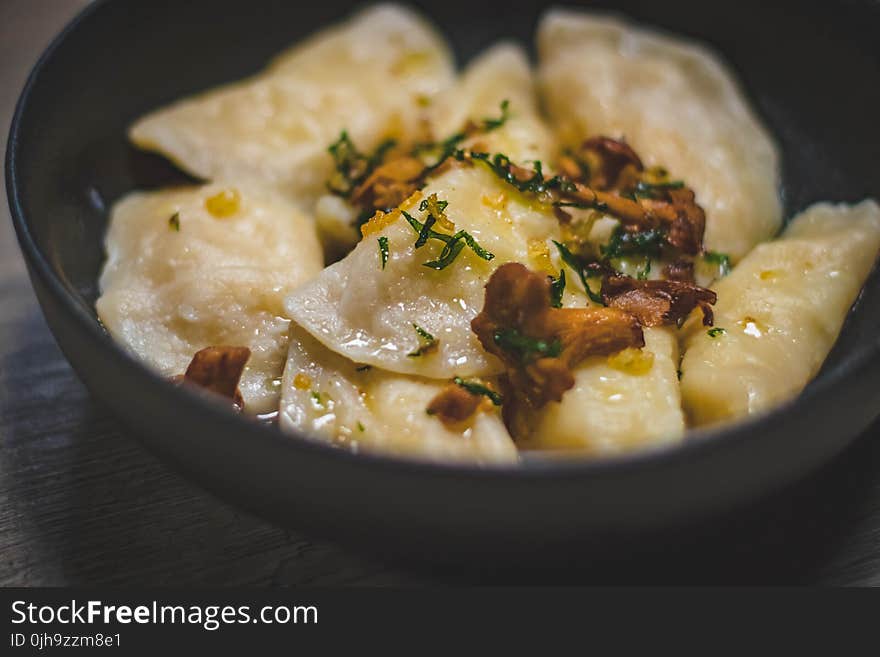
<point x="539" y="344"/>
<point x="655" y="303"/>
<point x="218" y="369"/>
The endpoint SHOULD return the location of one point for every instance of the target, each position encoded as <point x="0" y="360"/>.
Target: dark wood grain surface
<point x="81" y="502"/>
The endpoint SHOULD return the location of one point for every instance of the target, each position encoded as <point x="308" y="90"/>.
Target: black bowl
<point x="813" y="74"/>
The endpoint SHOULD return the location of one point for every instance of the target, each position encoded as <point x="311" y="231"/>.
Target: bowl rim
<point x="697" y="442"/>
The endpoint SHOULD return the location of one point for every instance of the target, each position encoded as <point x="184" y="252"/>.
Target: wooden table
<point x="81" y="502"/>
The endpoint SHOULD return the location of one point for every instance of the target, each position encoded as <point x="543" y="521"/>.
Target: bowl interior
<point x="812" y="75"/>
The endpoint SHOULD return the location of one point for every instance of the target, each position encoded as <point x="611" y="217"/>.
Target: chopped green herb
<point x="493" y="124"/>
<point x="418" y="226"/>
<point x="715" y="332"/>
<point x="427" y="342"/>
<point x="360" y="427"/>
<point x="352" y="166"/>
<point x="447" y="255"/>
<point x="646" y="243"/>
<point x="454" y="243"/>
<point x="644" y="273"/>
<point x="425" y="232"/>
<point x="557" y="289"/>
<point x="526" y="348"/>
<point x="423" y="333"/>
<point x="449" y="147"/>
<point x="476" y="388"/>
<point x="454" y="246"/>
<point x="502" y="167"/>
<point x="383" y="250"/>
<point x="574" y="262"/>
<point x="652" y="190"/>
<point x="720" y="259"/>
<point x="316" y="397"/>
<point x="436" y="210"/>
<point x="174" y="222"/>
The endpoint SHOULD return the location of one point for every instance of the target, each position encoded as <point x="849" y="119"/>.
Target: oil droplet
<point x="632" y="361"/>
<point x="496" y="202"/>
<point x="539" y="254"/>
<point x="224" y="203"/>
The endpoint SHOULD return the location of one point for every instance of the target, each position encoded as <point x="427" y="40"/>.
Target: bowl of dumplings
<point x="439" y="280"/>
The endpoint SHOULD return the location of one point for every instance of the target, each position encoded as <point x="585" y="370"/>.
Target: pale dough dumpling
<point x="366" y="313"/>
<point x="500" y="73"/>
<point x="328" y="397"/>
<point x="677" y="105"/>
<point x="620" y="403"/>
<point x="370" y="76"/>
<point x="179" y="278"/>
<point x="779" y="313"/>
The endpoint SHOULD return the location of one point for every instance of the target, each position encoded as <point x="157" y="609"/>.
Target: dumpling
<point x="370" y="76"/>
<point x="329" y="397"/>
<point x="627" y="401"/>
<point x="779" y="313"/>
<point x="368" y="312"/>
<point x="207" y="266"/>
<point x="677" y="105"/>
<point x="501" y="73"/>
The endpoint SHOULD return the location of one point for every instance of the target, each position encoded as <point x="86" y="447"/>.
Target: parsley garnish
<point x="360" y="427"/>
<point x="174" y="222"/>
<point x="436" y="210"/>
<point x="526" y="348"/>
<point x="383" y="250"/>
<point x="644" y="273"/>
<point x="720" y="259"/>
<point x="449" y="146"/>
<point x="493" y="124"/>
<point x="316" y="397"/>
<point x="557" y="288"/>
<point x="715" y="332"/>
<point x="652" y="190"/>
<point x="572" y="261"/>
<point x="501" y="166"/>
<point x="427" y="342"/>
<point x="476" y="388"/>
<point x="352" y="166"/>
<point x="646" y="243"/>
<point x="454" y="243"/>
<point x="454" y="246"/>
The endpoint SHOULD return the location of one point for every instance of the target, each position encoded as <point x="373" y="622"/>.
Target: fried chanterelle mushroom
<point x="607" y="174"/>
<point x="655" y="303"/>
<point x="540" y="344"/>
<point x="604" y="163"/>
<point x="389" y="184"/>
<point x="459" y="400"/>
<point x="219" y="370"/>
